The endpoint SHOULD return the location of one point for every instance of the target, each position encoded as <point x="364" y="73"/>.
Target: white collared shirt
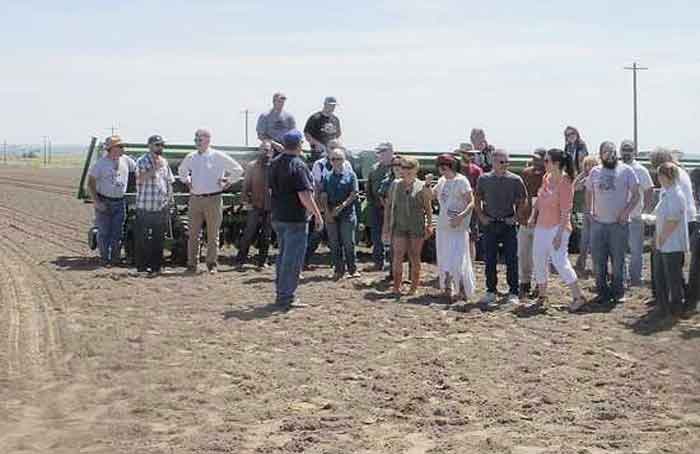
<point x="204" y="170"/>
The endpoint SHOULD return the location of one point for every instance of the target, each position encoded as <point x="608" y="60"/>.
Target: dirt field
<point x="97" y="361"/>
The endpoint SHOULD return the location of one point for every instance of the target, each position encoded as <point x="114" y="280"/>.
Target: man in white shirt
<point x="633" y="269"/>
<point x="207" y="173"/>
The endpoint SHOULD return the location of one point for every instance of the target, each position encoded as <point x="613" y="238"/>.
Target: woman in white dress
<point x="454" y="195"/>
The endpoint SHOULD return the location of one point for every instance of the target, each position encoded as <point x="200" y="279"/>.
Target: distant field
<point x="57" y="161"/>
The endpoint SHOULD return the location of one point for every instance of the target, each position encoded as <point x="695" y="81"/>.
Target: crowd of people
<point x="484" y="211"/>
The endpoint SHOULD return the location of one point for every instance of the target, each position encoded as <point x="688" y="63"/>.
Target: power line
<point x="634" y="68"/>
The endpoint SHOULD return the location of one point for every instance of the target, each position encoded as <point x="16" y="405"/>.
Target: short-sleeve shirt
<point x="645" y="184"/>
<point x="338" y="187"/>
<point x="500" y="194"/>
<point x="472" y="172"/>
<point x="112" y="176"/>
<point x="322" y="168"/>
<point x="322" y="127"/>
<point x="154" y="193"/>
<point x="672" y="207"/>
<point x="273" y="125"/>
<point x="611" y="191"/>
<point x="289" y="176"/>
<point x="374" y="181"/>
<point x="532" y="178"/>
<point x="451" y="195"/>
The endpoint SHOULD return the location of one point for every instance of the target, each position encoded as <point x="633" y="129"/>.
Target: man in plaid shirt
<point x="154" y="191"/>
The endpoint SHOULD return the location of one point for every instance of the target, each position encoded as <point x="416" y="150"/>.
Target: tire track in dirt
<point x="10" y="210"/>
<point x="37" y="187"/>
<point x="31" y="339"/>
<point x="20" y="221"/>
<point x="40" y="183"/>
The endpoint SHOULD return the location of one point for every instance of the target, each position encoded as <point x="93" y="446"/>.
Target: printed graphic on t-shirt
<point x="329" y="129"/>
<point x="606" y="182"/>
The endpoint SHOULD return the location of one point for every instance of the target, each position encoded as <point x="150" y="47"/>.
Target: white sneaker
<point x="513" y="299"/>
<point x="489" y="298"/>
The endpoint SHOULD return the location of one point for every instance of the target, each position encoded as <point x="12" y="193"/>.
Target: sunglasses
<point x="336" y="159"/>
<point x="407" y="167"/>
<point x="502" y="161"/>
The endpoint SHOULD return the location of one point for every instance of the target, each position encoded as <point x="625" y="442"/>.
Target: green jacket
<point x="374" y="181"/>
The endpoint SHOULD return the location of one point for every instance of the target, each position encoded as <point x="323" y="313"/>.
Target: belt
<point x="211" y="194"/>
<point x="111" y="199"/>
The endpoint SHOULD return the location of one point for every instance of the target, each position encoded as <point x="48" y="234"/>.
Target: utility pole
<point x="245" y="112"/>
<point x="44" y="138"/>
<point x="4" y="151"/>
<point x="49" y="151"/>
<point x="634" y="68"/>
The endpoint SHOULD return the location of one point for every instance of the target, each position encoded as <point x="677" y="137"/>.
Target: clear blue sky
<point x="418" y="73"/>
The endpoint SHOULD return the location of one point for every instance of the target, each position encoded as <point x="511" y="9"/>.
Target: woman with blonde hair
<point x="580" y="206"/>
<point x="408" y="218"/>
<point x="671" y="242"/>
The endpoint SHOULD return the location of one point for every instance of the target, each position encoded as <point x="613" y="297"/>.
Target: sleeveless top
<point x="408" y="208"/>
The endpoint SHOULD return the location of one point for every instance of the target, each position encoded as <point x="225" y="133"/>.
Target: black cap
<point x="155" y="140"/>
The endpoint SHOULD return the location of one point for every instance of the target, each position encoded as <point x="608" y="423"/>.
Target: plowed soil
<point x="97" y="360"/>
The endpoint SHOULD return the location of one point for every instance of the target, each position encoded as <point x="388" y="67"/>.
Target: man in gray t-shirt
<point x="107" y="183"/>
<point x="276" y="123"/>
<point x="612" y="192"/>
<point x="499" y="195"/>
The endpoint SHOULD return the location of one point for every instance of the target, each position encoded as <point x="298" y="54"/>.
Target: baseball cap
<point x="156" y="140"/>
<point x="113" y="141"/>
<point x="466" y="147"/>
<point x="384" y="146"/>
<point x="539" y="152"/>
<point x="292" y="139"/>
<point x="330" y="100"/>
<point x="627" y="145"/>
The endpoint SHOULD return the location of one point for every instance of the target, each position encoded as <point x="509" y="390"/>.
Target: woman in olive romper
<point x="407" y="222"/>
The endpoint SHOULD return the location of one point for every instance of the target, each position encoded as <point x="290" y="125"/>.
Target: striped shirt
<point x="153" y="194"/>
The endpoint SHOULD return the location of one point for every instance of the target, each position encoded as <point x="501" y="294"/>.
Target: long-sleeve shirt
<point x="204" y="170"/>
<point x="554" y="202"/>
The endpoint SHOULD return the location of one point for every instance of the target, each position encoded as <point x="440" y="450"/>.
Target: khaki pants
<point x="204" y="209"/>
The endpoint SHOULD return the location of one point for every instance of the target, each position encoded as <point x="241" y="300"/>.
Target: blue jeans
<point x="584" y="242"/>
<point x="341" y="236"/>
<point x="110" y="223"/>
<point x="493" y="235"/>
<point x="375" y="217"/>
<point x="291" y="239"/>
<point x="609" y="241"/>
<point x="312" y="242"/>
<point x="636" y="245"/>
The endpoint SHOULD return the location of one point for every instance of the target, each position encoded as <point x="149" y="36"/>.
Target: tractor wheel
<point x="181" y="234"/>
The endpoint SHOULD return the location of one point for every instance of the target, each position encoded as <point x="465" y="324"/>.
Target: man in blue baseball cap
<point x="291" y="187"/>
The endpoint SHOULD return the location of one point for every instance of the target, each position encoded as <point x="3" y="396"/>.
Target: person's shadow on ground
<point x="77" y="263"/>
<point x="254" y="313"/>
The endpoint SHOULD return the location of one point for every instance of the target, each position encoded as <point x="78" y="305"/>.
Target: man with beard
<point x="276" y="123"/>
<point x="321" y="128"/>
<point x="255" y="195"/>
<point x="636" y="227"/>
<point x="154" y="192"/>
<point x="612" y="192"/>
<point x="532" y="177"/>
